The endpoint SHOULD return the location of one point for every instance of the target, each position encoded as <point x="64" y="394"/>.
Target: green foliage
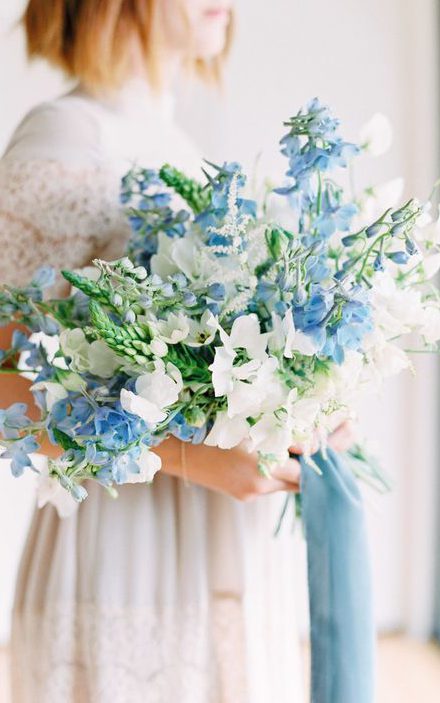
<point x="130" y="340"/>
<point x="90" y="288"/>
<point x="198" y="197"/>
<point x="64" y="440"/>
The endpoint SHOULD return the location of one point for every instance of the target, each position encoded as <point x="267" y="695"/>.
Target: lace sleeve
<point x="59" y="198"/>
<point x="54" y="214"/>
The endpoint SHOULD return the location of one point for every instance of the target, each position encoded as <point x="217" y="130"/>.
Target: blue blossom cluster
<point x="104" y="435"/>
<point x="312" y="146"/>
<point x="12" y="421"/>
<point x="335" y="322"/>
<point x="23" y="303"/>
<point x="148" y="203"/>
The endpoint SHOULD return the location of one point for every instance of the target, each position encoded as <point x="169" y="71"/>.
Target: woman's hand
<point x="230" y="471"/>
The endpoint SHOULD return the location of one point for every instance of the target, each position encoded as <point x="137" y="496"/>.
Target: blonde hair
<point x="90" y="39"/>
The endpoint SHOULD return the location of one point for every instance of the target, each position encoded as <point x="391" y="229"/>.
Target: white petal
<point x="49" y="490"/>
<point x="143" y="408"/>
<point x="227" y="433"/>
<point x="431" y="265"/>
<point x="221" y="369"/>
<point x="246" y="334"/>
<point x="149" y="464"/>
<point x="377" y="135"/>
<point x="430" y="328"/>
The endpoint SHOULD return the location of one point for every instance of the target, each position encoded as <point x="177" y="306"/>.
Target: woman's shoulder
<point x="65" y="129"/>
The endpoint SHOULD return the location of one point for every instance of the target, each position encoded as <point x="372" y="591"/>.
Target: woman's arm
<point x="14" y="388"/>
<point x="233" y="472"/>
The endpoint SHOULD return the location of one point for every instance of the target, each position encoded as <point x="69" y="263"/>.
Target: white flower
<point x="431" y="266"/>
<point x="145" y="409"/>
<point x="428" y="231"/>
<point x="376" y="135"/>
<point x="387" y="359"/>
<point x="226" y="432"/>
<point x="270" y="435"/>
<point x="73" y="382"/>
<point x="397" y="310"/>
<point x="155" y="391"/>
<point x="246" y="334"/>
<point x="304" y="415"/>
<point x="430" y="324"/>
<point x="223" y="371"/>
<point x="49" y="490"/>
<point x="54" y="392"/>
<point x="175" y="254"/>
<point x="378" y="199"/>
<point x="96" y="357"/>
<point x="285" y="336"/>
<point x="103" y="361"/>
<point x="149" y="464"/>
<point x="263" y="391"/>
<point x="251" y="386"/>
<point x="202" y="332"/>
<point x="173" y="329"/>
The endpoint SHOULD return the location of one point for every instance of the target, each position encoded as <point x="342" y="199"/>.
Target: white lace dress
<point x="170" y="593"/>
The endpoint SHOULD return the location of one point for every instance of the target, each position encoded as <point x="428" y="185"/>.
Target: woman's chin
<point x="210" y="45"/>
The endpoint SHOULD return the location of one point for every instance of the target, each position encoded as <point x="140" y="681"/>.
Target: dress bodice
<point x="60" y="175"/>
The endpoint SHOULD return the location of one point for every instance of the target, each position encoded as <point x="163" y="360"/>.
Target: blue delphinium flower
<point x="44" y="277"/>
<point x="350" y="327"/>
<point x="335" y="219"/>
<point x="311" y="145"/>
<point x="13" y="419"/>
<point x="18" y="451"/>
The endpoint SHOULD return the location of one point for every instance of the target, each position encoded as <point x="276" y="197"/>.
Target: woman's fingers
<point x="342" y="438"/>
<point x="289" y="471"/>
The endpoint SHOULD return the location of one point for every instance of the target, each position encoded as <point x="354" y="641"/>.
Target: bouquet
<point x="232" y="318"/>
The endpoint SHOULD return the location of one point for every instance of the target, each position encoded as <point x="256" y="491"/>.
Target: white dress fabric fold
<point x="171" y="592"/>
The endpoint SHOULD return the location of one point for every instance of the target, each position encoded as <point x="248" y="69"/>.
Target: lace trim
<point x="55" y="215"/>
<point x="90" y="654"/>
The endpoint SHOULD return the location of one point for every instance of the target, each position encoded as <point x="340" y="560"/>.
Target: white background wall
<point x="361" y="58"/>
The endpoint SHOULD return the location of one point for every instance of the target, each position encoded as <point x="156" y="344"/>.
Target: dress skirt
<point x="169" y="594"/>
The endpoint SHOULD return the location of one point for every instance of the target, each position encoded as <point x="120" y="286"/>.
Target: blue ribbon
<point x="340" y="594"/>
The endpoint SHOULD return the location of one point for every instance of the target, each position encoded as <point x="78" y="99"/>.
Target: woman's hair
<point x="90" y="40"/>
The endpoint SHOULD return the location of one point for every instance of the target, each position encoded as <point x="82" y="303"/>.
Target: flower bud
<point x="399" y="257"/>
<point x="140" y="272"/>
<point x="373" y="230"/>
<point x="130" y="317"/>
<point x="189" y="299"/>
<point x="195" y="417"/>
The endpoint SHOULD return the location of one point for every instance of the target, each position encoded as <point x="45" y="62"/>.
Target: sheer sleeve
<point x="59" y="200"/>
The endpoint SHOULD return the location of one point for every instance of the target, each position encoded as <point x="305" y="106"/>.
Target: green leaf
<point x="64" y="440"/>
